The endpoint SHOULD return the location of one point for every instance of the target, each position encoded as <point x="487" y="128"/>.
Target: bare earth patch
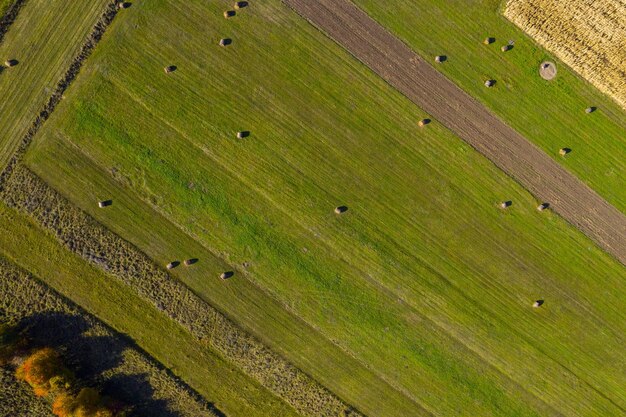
<point x="589" y="36"/>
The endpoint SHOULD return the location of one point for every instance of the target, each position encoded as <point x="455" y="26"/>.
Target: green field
<point x="217" y="381"/>
<point x="45" y="38"/>
<point x="549" y="113"/>
<point x="417" y="300"/>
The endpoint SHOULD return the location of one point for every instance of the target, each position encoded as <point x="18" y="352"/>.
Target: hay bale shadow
<point x="191" y="261"/>
<point x="227" y="274"/>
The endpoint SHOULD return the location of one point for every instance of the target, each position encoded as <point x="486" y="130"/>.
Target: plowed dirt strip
<point x="396" y="63"/>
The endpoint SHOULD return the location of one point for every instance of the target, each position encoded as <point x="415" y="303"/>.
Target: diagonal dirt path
<point x="403" y="69"/>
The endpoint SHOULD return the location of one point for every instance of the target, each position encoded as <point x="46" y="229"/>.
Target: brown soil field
<point x="403" y="69"/>
<point x="589" y="36"/>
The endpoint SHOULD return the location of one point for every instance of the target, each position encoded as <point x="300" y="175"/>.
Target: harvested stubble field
<point x="551" y="114"/>
<point x="417" y="300"/>
<point x="589" y="36"/>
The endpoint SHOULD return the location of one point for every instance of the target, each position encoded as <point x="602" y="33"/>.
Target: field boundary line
<point x="403" y="69"/>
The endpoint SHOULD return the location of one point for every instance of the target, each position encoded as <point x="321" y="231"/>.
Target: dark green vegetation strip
<point x="423" y="279"/>
<point x="111" y="301"/>
<point x="551" y="114"/>
<point x="98" y="354"/>
<point x="84" y="236"/>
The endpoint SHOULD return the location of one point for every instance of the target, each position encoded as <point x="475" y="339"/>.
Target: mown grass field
<point x="217" y="381"/>
<point x="44" y="39"/>
<point x="551" y="114"/>
<point x="424" y="288"/>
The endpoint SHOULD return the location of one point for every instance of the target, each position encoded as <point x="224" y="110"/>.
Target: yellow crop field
<point x="588" y="35"/>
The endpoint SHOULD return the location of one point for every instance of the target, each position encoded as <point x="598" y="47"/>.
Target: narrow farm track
<point x="402" y="68"/>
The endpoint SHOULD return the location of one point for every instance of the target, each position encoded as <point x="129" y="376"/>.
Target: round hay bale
<point x="173" y="264"/>
<point x="105" y="203"/>
<point x="489" y="40"/>
<point x="190" y="261"/>
<point x="441" y="58"/>
<point x="225" y="41"/>
<point x="226" y="274"/>
<point x="564" y="151"/>
<point x="243" y="134"/>
<point x="11" y="63"/>
<point x="423" y="122"/>
<point x="123" y="5"/>
<point x="543" y="206"/>
<point x="506" y="204"/>
<point x="547" y="70"/>
<point x="241" y="4"/>
<point x="590" y="109"/>
<point x="341" y="209"/>
<point x="170" y="69"/>
<point x="506" y="48"/>
<point x="538" y="303"/>
<point x="490" y="83"/>
<point x="229" y="13"/>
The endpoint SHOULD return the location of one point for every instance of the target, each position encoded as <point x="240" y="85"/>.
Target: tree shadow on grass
<point x="89" y="356"/>
<point x="135" y="389"/>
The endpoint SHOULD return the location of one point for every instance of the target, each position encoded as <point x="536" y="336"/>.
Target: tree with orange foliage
<point x="88" y="403"/>
<point x="63" y="405"/>
<point x="39" y="368"/>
